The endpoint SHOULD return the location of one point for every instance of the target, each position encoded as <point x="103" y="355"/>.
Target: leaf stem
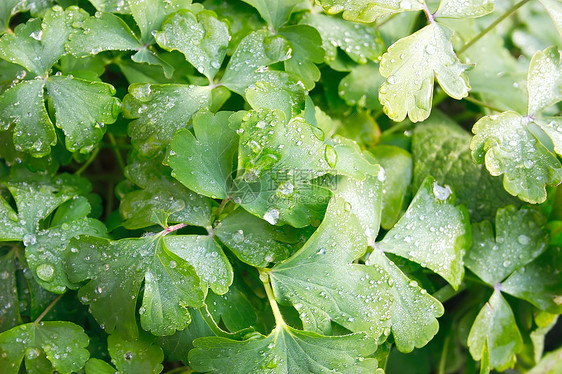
<point x="264" y="277"/>
<point x="48" y="308"/>
<point x="509" y="12"/>
<point x="118" y="155"/>
<point x="88" y="161"/>
<point x="221" y="207"/>
<point x="173" y="228"/>
<point x="481" y="103"/>
<point x="403" y="126"/>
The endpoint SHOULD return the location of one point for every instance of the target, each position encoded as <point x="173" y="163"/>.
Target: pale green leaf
<point x="508" y="145"/>
<point x="554" y="8"/>
<point x="369" y="10"/>
<point x="103" y="32"/>
<point x="203" y="162"/>
<point x="253" y="240"/>
<point x="249" y="63"/>
<point x="135" y="356"/>
<point x="150" y="14"/>
<point x="38" y="45"/>
<point x="82" y="109"/>
<point x="539" y="282"/>
<point x="545" y="80"/>
<point x="495" y="328"/>
<point x="518" y="240"/>
<point x="360" y="42"/>
<point x="201" y="37"/>
<point x="433" y="232"/>
<point x="159" y="111"/>
<point x="551" y="363"/>
<point x="115" y="6"/>
<point x="63" y="344"/>
<point x="464" y="9"/>
<point x="306" y="53"/>
<point x="323" y="284"/>
<point x="410" y="67"/>
<point x="206" y="256"/>
<point x="280" y="91"/>
<point x="413" y="310"/>
<point x="97" y="366"/>
<point x="285" y="351"/>
<point x="275" y="13"/>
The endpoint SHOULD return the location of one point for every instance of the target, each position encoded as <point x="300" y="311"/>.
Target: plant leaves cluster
<point x="255" y="186"/>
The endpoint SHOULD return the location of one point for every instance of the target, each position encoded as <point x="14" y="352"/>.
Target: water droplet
<point x="45" y="272"/>
<point x="271" y="216"/>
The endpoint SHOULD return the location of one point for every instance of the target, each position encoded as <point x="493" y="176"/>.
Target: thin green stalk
<point x="88" y="161"/>
<point x="481" y="103"/>
<point x="510" y="11"/>
<point x="264" y="277"/>
<point x="116" y="151"/>
<point x="47" y="309"/>
<point x="397" y="128"/>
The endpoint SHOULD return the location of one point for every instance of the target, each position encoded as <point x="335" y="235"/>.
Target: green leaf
<point x="116" y="270"/>
<point x="23" y="107"/>
<point x="177" y="346"/>
<point x="103" y="32"/>
<point x="369" y="10"/>
<point x="306" y="53"/>
<point x="10" y="312"/>
<point x="441" y="149"/>
<point x="159" y="111"/>
<point x="496" y="330"/>
<point x="497" y="76"/>
<point x="281" y="91"/>
<point x="201" y="37"/>
<point x="413" y="310"/>
<point x="97" y="366"/>
<point x="410" y="66"/>
<point x="38" y="45"/>
<point x="509" y="146"/>
<point x="360" y="42"/>
<point x="323" y="284"/>
<point x="555" y="10"/>
<point x="361" y="86"/>
<point x="203" y="162"/>
<point x="519" y="239"/>
<point x="206" y="256"/>
<point x="433" y="232"/>
<point x="150" y="14"/>
<point x="275" y="13"/>
<point x="545" y="80"/>
<point x="180" y="204"/>
<point x="63" y="344"/>
<point x="249" y="63"/>
<point x="115" y="6"/>
<point x="397" y="164"/>
<point x="277" y="162"/>
<point x="7" y="9"/>
<point x="466" y="9"/>
<point x="538" y="281"/>
<point x="135" y="356"/>
<point x="551" y="363"/>
<point x="46" y="254"/>
<point x="82" y="109"/>
<point x="285" y="350"/>
<point x="253" y="240"/>
<point x="233" y="308"/>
